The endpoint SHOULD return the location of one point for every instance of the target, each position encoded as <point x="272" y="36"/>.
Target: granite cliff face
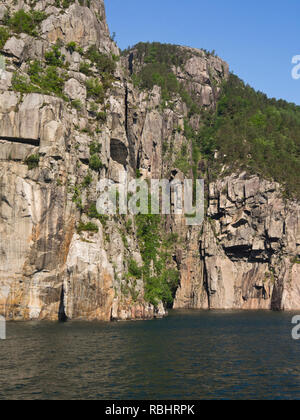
<point x="249" y="249"/>
<point x="83" y="119"/>
<point x="49" y="269"/>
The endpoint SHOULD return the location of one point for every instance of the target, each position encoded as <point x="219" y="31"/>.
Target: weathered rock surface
<point x="249" y="249"/>
<point x="83" y="25"/>
<point x="47" y="269"/>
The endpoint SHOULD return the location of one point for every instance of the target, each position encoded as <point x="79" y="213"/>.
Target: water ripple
<point x="189" y="355"/>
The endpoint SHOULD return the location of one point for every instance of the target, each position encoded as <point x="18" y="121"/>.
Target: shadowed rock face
<point x="245" y="255"/>
<point x="118" y="152"/>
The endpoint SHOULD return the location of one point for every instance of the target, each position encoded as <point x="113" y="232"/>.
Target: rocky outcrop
<point x="49" y="269"/>
<point x="249" y="249"/>
<point x="84" y="25"/>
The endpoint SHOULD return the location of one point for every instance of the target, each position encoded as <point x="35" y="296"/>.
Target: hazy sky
<point x="257" y="38"/>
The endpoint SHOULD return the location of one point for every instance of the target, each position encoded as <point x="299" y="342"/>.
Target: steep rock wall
<point x="249" y="249"/>
<point x="48" y="268"/>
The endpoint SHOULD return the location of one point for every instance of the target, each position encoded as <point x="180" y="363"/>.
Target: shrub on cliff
<point x="22" y="22"/>
<point x="4" y="35"/>
<point x="41" y="80"/>
<point x="64" y="3"/>
<point x="33" y="161"/>
<point x="93" y="214"/>
<point x="52" y="81"/>
<point x="77" y="104"/>
<point x="167" y="54"/>
<point x="49" y="79"/>
<point x="54" y="57"/>
<point x="95" y="148"/>
<point x="95" y="90"/>
<point x="87" y="227"/>
<point x="95" y="163"/>
<point x="160" y="280"/>
<point x="85" y="68"/>
<point x="157" y="61"/>
<point x="106" y="66"/>
<point x="67" y="3"/>
<point x="134" y="270"/>
<point x="72" y="47"/>
<point x="103" y="62"/>
<point x="21" y="84"/>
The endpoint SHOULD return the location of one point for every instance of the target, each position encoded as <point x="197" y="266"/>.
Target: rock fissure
<point x="31" y="142"/>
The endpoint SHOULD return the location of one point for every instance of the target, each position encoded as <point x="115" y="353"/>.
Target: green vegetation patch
<point x="64" y="4"/>
<point x="160" y="280"/>
<point x="23" y="22"/>
<point x="85" y="68"/>
<point x="77" y="104"/>
<point x="54" y="57"/>
<point x="134" y="270"/>
<point x="255" y="133"/>
<point x="87" y="227"/>
<point x="88" y="179"/>
<point x="95" y="162"/>
<point x="49" y="80"/>
<point x="168" y="54"/>
<point x="159" y="59"/>
<point x="95" y="90"/>
<point x="72" y="47"/>
<point x="106" y="66"/>
<point x="93" y="214"/>
<point x="4" y="35"/>
<point x="33" y="161"/>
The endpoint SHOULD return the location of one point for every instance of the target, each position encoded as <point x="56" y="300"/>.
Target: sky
<point x="258" y="39"/>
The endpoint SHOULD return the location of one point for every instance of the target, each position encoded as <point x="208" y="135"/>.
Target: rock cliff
<point x="72" y="112"/>
<point x="249" y="249"/>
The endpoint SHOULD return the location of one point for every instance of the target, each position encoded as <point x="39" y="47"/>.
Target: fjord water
<point x="189" y="355"/>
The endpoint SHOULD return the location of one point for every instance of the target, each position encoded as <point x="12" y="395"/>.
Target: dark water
<point x="189" y="355"/>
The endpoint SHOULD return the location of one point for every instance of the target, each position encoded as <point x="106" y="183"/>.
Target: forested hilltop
<point x="245" y="130"/>
<point x="255" y="133"/>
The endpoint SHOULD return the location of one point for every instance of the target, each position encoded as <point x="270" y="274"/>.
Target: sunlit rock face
<point x="249" y="249"/>
<point x="244" y="256"/>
